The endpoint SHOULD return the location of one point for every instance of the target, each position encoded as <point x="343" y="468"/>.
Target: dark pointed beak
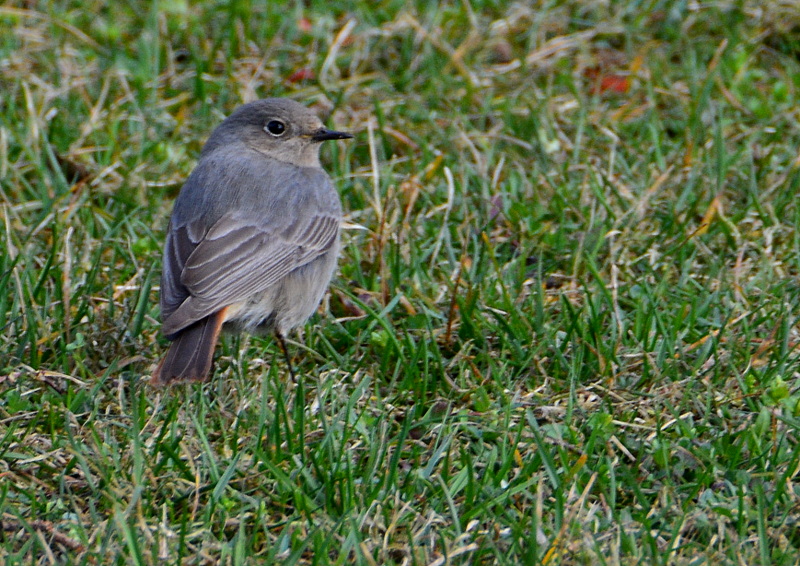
<point x="324" y="135"/>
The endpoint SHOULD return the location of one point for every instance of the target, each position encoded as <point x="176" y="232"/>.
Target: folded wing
<point x="235" y="259"/>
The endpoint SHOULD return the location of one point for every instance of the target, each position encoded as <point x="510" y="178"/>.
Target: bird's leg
<point x="282" y="342"/>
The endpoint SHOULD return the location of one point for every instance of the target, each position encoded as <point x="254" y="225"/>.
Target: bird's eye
<point x="275" y="128"/>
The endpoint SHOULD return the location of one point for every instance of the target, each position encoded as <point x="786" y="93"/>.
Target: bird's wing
<point x="235" y="259"/>
<point x="180" y="244"/>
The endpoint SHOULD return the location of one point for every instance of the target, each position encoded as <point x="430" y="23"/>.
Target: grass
<point x="565" y="332"/>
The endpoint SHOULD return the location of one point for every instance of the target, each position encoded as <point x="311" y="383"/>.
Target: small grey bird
<point x="253" y="238"/>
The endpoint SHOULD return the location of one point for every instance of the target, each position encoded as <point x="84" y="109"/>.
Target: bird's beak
<point x="323" y="135"/>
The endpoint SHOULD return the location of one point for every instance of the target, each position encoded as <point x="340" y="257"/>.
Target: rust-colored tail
<point x="190" y="355"/>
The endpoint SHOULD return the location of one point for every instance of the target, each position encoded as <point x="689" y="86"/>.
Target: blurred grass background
<point x="565" y="324"/>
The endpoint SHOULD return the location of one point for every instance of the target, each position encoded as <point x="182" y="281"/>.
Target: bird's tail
<point x="191" y="353"/>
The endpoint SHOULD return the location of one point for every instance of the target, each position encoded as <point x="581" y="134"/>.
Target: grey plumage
<point x="253" y="237"/>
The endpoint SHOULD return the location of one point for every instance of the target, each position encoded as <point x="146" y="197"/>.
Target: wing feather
<point x="234" y="260"/>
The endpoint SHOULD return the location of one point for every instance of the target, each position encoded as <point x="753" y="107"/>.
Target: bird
<point x="253" y="237"/>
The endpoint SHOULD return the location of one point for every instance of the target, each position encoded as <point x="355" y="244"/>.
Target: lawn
<point x="565" y="324"/>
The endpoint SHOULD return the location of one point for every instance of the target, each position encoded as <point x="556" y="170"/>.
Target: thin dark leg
<point x="281" y="341"/>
